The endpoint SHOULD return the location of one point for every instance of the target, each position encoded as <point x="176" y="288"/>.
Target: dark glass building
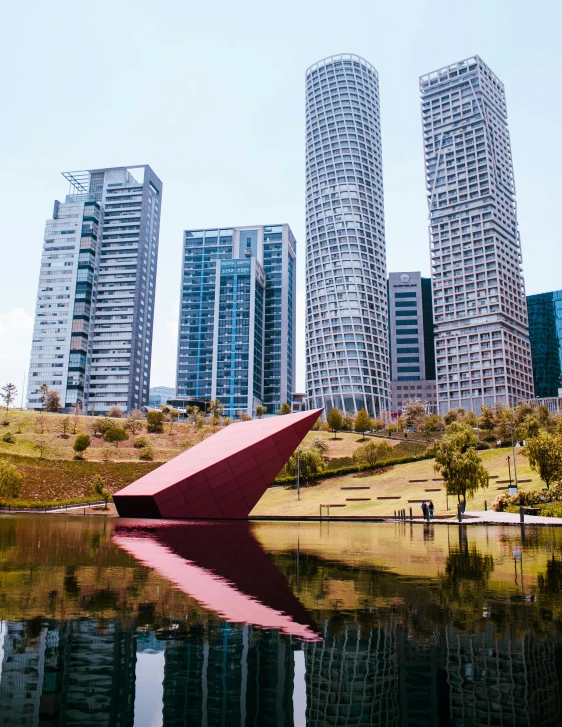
<point x="545" y="331"/>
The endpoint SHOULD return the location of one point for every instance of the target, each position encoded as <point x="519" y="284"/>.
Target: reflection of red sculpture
<point x="220" y="478"/>
<point x="223" y="567"/>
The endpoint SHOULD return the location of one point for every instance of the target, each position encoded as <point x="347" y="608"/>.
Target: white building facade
<point x="347" y="356"/>
<point x="92" y="339"/>
<point x="481" y="331"/>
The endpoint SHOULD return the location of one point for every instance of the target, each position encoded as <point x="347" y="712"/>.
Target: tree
<point x="335" y="421"/>
<point x="43" y="390"/>
<point x="101" y="425"/>
<point x="76" y="411"/>
<point x="371" y="453"/>
<point x="65" y="424"/>
<point x="243" y="416"/>
<point x="433" y="423"/>
<point x="215" y="408"/>
<point x="504" y="422"/>
<point x="42" y="447"/>
<point x="39" y="424"/>
<point x="154" y="422"/>
<point x="52" y="401"/>
<point x="10" y="479"/>
<point x="81" y="443"/>
<point x="451" y="416"/>
<point x="347" y="422"/>
<point x="530" y="427"/>
<point x="115" y="434"/>
<point x="458" y="462"/>
<point x="9" y="393"/>
<point x="141" y="442"/>
<point x="172" y="414"/>
<point x="261" y="411"/>
<point x="378" y="424"/>
<point x="309" y="462"/>
<point x="193" y="413"/>
<point x="99" y="488"/>
<point x="285" y="408"/>
<point x="545" y="456"/>
<point x="115" y="411"/>
<point x="362" y="422"/>
<point x="414" y="414"/>
<point x="133" y="425"/>
<point x="487" y="420"/>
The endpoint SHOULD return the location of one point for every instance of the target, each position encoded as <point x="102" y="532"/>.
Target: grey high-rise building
<point x="237" y="319"/>
<point x="483" y="353"/>
<point x="92" y="338"/>
<point x="412" y="353"/>
<point x="347" y="358"/>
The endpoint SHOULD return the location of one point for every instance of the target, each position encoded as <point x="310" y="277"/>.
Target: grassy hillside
<point x="396" y="482"/>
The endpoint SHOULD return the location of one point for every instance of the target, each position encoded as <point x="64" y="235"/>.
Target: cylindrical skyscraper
<point x="347" y="359"/>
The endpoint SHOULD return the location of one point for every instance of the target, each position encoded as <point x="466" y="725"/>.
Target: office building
<point x="347" y="358"/>
<point x="160" y="395"/>
<point x="92" y="338"/>
<point x="483" y="354"/>
<point x="412" y="353"/>
<point x="237" y="318"/>
<point x="545" y="332"/>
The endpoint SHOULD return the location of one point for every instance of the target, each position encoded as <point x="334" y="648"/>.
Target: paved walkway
<point x="510" y="518"/>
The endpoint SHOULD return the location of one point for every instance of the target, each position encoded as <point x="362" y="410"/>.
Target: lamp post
<point x="299" y="474"/>
<point x="513" y="453"/>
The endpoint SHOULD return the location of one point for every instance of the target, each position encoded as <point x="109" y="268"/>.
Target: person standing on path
<point x="431" y="509"/>
<point x="424" y="509"/>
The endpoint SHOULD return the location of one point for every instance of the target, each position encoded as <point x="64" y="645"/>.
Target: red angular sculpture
<point x="221" y="478"/>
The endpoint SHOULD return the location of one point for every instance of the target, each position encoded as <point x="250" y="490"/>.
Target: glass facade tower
<point x="92" y="338"/>
<point x="545" y="331"/>
<point x="482" y="347"/>
<point x="237" y="320"/>
<point x="347" y="357"/>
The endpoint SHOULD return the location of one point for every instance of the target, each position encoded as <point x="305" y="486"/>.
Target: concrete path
<point x="510" y="518"/>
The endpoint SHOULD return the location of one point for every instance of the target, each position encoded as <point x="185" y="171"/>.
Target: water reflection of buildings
<point x="235" y="676"/>
<point x="352" y="678"/>
<point x="79" y="673"/>
<point x="82" y="672"/>
<point x="508" y="681"/>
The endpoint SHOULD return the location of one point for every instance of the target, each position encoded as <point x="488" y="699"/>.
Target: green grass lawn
<point x="395" y="482"/>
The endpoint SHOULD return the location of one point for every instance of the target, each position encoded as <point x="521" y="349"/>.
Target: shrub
<point x="115" y="434"/>
<point x="101" y="425"/>
<point x="141" y="442"/>
<point x="155" y="421"/>
<point x="115" y="411"/>
<point x="99" y="489"/>
<point x="81" y="443"/>
<point x="8" y="438"/>
<point x="10" y="480"/>
<point x="146" y="454"/>
<point x="320" y="444"/>
<point x="369" y="454"/>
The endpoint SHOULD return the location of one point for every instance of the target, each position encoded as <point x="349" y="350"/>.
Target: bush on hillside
<point x="81" y="443"/>
<point x="155" y="421"/>
<point x="10" y="480"/>
<point x="146" y="454"/>
<point x="141" y="442"/>
<point x="8" y="438"/>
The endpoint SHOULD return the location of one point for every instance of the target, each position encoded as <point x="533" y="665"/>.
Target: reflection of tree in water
<point x="462" y="587"/>
<point x="550" y="583"/>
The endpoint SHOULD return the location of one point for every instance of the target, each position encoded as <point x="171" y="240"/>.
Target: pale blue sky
<point x="211" y="95"/>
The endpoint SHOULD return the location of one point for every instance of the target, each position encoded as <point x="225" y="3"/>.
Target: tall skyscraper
<point x="92" y="339"/>
<point x="482" y="341"/>
<point x="347" y="358"/>
<point x="237" y="319"/>
<point x="412" y="352"/>
<point x="545" y="331"/>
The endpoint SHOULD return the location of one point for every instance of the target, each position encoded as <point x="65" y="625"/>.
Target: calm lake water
<point x="122" y="622"/>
